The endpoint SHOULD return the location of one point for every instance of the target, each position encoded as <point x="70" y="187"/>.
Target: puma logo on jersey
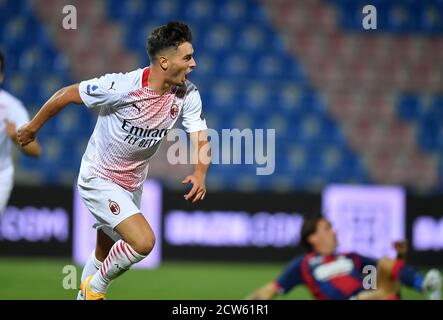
<point x="112" y="84"/>
<point x="135" y="106"/>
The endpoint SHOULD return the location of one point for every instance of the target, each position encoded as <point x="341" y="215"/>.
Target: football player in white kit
<point x="136" y="110"/>
<point x="12" y="115"/>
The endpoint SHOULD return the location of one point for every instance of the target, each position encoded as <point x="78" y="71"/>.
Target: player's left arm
<point x="400" y="247"/>
<point x="195" y="124"/>
<point x="32" y="149"/>
<point x="384" y="265"/>
<point x="202" y="159"/>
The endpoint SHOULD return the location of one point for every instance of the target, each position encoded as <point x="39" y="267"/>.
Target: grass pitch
<point x="29" y="279"/>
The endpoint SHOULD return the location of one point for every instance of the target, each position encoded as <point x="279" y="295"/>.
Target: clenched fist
<point x="25" y="135"/>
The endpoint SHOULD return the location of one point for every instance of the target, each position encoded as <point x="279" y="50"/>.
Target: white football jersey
<point x="132" y="121"/>
<point x="11" y="109"/>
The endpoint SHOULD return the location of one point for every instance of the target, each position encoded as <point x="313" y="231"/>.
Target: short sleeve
<point x="291" y="276"/>
<point x="193" y="118"/>
<point x="106" y="90"/>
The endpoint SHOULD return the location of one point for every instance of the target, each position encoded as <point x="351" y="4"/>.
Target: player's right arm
<point x="291" y="277"/>
<point x="267" y="292"/>
<point x="57" y="102"/>
<point x="33" y="149"/>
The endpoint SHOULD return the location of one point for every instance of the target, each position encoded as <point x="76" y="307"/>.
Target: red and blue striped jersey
<point x="337" y="276"/>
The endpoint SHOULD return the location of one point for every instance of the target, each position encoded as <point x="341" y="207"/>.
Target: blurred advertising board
<point x="37" y="222"/>
<point x="235" y="226"/>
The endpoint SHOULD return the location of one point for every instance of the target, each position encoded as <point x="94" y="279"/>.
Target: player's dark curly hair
<point x="170" y="35"/>
<point x="309" y="227"/>
<point x="2" y="62"/>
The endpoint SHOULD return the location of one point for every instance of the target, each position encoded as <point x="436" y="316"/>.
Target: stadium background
<point x="349" y="106"/>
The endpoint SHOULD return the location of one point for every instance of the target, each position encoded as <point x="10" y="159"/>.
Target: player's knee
<point x="144" y="245"/>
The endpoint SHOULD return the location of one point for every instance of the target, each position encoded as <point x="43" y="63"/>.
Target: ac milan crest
<point x="114" y="207"/>
<point x="174" y="111"/>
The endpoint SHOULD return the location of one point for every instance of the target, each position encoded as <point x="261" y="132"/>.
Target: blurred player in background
<point x="340" y="276"/>
<point x="12" y="115"/>
<point x="137" y="109"/>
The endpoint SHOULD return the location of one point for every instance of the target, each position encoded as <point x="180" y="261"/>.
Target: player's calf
<point x="121" y="257"/>
<point x="137" y="242"/>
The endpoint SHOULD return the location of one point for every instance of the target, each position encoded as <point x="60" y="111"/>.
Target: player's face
<point x="181" y="64"/>
<point x="325" y="238"/>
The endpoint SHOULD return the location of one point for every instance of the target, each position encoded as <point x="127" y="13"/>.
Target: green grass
<point x="43" y="279"/>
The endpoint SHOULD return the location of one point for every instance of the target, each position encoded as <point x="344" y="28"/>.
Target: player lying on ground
<point x="340" y="276"/>
<point x="137" y="109"/>
<point x="12" y="115"/>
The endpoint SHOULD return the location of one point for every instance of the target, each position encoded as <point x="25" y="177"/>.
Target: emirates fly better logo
<point x="114" y="207"/>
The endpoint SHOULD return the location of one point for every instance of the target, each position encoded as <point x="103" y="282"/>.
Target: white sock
<point x="120" y="258"/>
<point x="91" y="267"/>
